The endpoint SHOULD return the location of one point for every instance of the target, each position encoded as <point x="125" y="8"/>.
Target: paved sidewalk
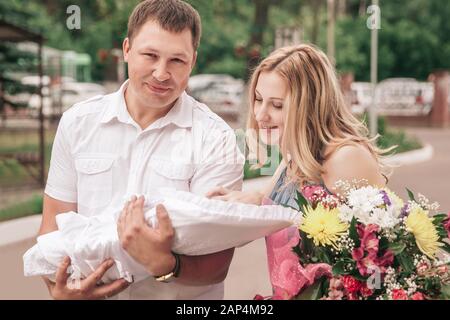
<point x="431" y="178"/>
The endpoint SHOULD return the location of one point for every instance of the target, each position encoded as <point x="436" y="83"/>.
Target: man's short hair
<point x="172" y="15"/>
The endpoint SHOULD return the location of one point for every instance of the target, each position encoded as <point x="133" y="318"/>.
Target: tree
<point x="12" y="60"/>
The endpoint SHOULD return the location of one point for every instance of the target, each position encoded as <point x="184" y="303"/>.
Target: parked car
<point x="362" y="92"/>
<point x="404" y="96"/>
<point x="58" y="99"/>
<point x="221" y="92"/>
<point x="223" y="98"/>
<point x="74" y="92"/>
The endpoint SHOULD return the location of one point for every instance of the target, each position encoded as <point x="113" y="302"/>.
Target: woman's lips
<point x="268" y="128"/>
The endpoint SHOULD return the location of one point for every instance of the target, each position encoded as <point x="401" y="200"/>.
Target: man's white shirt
<point x="100" y="156"/>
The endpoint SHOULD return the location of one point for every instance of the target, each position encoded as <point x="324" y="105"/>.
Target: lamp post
<point x="374" y="24"/>
<point x="330" y="31"/>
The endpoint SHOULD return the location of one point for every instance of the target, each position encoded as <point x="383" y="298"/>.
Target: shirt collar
<point x="117" y="107"/>
<point x="180" y="114"/>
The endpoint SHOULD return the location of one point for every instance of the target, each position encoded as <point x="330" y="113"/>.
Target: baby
<point x="202" y="226"/>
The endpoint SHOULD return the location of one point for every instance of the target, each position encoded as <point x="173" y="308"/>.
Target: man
<point x="148" y="134"/>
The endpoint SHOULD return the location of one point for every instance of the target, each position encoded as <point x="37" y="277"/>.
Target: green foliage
<point x="405" y="261"/>
<point x="410" y="195"/>
<point x="23" y="209"/>
<point x="302" y="203"/>
<point x="394" y="137"/>
<point x="313" y="292"/>
<point x="397" y="247"/>
<point x="413" y="41"/>
<point x="353" y="233"/>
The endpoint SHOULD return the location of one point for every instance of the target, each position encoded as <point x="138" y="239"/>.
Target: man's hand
<point x="86" y="288"/>
<point x="149" y="246"/>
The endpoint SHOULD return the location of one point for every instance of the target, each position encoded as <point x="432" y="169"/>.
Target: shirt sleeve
<point x="62" y="176"/>
<point x="221" y="164"/>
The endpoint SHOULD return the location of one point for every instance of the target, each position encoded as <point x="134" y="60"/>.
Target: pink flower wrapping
<point x="287" y="276"/>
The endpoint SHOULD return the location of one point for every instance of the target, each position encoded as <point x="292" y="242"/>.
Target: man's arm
<point x="51" y="208"/>
<point x="60" y="196"/>
<point x="205" y="269"/>
<point x="152" y="248"/>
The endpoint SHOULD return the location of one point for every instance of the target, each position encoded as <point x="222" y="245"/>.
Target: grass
<point x="12" y="173"/>
<point x="26" y="208"/>
<point x="390" y="137"/>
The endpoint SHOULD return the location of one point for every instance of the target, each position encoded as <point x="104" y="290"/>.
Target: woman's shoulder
<point x="351" y="162"/>
<point x="348" y="153"/>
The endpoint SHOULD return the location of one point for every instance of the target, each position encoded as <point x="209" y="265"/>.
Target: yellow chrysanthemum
<point x="323" y="225"/>
<point x="421" y="226"/>
<point x="395" y="199"/>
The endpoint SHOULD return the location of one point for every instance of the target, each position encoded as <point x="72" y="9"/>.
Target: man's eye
<point x="178" y="60"/>
<point x="151" y="55"/>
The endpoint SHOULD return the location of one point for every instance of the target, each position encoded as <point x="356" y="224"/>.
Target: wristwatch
<point x="172" y="274"/>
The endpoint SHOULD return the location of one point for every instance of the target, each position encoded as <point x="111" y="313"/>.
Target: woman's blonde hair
<point x="315" y="113"/>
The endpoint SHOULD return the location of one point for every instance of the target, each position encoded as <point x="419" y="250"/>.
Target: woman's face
<point x="270" y="93"/>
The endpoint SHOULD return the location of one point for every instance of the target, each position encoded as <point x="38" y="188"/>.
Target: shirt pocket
<point x="169" y="173"/>
<point x="95" y="177"/>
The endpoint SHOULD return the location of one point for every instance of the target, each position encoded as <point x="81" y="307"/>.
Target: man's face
<point x="159" y="64"/>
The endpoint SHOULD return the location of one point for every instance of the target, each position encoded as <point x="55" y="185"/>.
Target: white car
<point x="74" y="92"/>
<point x="69" y="93"/>
<point x="405" y="96"/>
<point x="362" y="92"/>
<point x="221" y="92"/>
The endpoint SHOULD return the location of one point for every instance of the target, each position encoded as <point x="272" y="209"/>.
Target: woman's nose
<point x="261" y="114"/>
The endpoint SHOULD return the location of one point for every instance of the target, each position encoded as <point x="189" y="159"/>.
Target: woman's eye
<point x="277" y="106"/>
<point x="258" y="99"/>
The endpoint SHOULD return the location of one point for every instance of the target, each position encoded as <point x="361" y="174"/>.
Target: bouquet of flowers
<point x="366" y="244"/>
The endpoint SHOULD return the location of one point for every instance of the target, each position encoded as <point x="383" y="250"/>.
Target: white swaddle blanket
<point x="202" y="226"/>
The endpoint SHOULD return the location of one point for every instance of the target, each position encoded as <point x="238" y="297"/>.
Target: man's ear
<point x="194" y="60"/>
<point x="126" y="45"/>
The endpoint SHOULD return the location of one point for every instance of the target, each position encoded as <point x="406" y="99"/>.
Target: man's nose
<point x="161" y="73"/>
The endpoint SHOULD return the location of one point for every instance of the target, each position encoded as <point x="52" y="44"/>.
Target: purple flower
<point x="386" y="199"/>
<point x="405" y="211"/>
<point x="447" y="224"/>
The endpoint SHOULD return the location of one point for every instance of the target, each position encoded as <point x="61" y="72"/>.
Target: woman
<point x="298" y="105"/>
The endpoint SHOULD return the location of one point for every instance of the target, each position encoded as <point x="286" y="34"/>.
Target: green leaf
<point x="301" y="201"/>
<point x="439" y="218"/>
<point x="446" y="247"/>
<point x="306" y="243"/>
<point x="354" y="233"/>
<point x="445" y="292"/>
<point x="323" y="255"/>
<point x="397" y="247"/>
<point x="383" y="244"/>
<point x="405" y="262"/>
<point x="313" y="292"/>
<point x="338" y="268"/>
<point x="410" y="195"/>
<point x="355" y="274"/>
